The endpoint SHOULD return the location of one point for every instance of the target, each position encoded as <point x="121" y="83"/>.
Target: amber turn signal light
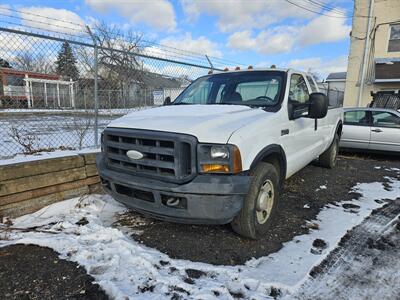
<point x="237" y="160"/>
<point x="215" y="168"/>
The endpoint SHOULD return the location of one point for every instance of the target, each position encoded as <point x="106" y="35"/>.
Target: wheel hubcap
<point x="265" y="202"/>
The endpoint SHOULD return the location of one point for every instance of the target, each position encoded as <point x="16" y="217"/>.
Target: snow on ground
<point x="112" y="111"/>
<point x="20" y="158"/>
<point x="49" y="131"/>
<point x="52" y="128"/>
<point x="127" y="269"/>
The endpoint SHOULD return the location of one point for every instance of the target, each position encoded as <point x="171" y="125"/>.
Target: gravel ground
<point x="303" y="197"/>
<point x="33" y="272"/>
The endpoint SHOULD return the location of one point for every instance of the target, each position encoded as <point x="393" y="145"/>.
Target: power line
<point x="333" y="9"/>
<point x="317" y="12"/>
<point x="326" y="6"/>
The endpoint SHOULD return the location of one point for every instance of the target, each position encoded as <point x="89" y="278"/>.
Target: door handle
<point x="377" y="130"/>
<point x="284" y="132"/>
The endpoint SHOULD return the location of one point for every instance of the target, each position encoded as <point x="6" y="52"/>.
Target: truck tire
<point x="328" y="159"/>
<point x="260" y="204"/>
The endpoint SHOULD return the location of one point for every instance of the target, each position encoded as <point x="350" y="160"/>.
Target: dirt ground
<point x="33" y="272"/>
<point x="302" y="199"/>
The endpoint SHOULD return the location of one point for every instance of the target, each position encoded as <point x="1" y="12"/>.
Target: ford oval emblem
<point x="133" y="154"/>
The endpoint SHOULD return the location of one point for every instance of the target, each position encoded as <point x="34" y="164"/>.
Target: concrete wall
<point x="384" y="11"/>
<point x="29" y="186"/>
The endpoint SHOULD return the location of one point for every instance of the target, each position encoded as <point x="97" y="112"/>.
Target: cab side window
<point x="312" y="84"/>
<point x="298" y="91"/>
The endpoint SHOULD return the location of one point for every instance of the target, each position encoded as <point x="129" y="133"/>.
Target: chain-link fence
<point x="58" y="93"/>
<point x="335" y="97"/>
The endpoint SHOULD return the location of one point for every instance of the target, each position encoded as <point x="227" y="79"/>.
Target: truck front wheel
<point x="260" y="204"/>
<point x="328" y="159"/>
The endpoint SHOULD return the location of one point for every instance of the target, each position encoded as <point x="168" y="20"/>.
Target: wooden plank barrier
<point x="26" y="187"/>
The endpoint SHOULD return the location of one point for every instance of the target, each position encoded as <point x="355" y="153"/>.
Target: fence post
<point x="71" y="92"/>
<point x="58" y="95"/>
<point x="27" y="91"/>
<point x="96" y="90"/>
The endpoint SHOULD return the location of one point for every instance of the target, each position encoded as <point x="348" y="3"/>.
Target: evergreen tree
<point x="66" y="62"/>
<point x="4" y="63"/>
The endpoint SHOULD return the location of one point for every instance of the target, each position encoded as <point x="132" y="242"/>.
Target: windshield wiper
<point x="182" y="103"/>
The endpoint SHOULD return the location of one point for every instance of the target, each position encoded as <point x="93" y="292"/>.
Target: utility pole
<point x="366" y="54"/>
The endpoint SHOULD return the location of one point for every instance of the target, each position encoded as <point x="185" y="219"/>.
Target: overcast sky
<point x="254" y="32"/>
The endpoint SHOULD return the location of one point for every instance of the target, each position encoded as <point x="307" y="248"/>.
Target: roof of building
<point x="336" y="76"/>
<point x="146" y="77"/>
<point x="11" y="71"/>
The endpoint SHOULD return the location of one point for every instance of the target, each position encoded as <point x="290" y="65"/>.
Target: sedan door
<point x="356" y="129"/>
<point x="385" y="131"/>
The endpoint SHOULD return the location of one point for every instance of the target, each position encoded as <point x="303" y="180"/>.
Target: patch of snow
<point x="123" y="266"/>
<point x="377" y="167"/>
<point x="322" y="187"/>
<point x="306" y="206"/>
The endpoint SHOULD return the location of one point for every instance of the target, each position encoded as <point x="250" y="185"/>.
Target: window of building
<point x="394" y="39"/>
<point x="15" y="80"/>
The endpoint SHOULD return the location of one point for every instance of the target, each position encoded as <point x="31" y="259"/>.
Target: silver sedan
<point x="376" y="129"/>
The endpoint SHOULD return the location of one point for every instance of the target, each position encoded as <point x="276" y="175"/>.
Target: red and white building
<point x="23" y="89"/>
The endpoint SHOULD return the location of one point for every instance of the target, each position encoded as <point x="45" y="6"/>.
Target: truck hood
<point x="209" y="123"/>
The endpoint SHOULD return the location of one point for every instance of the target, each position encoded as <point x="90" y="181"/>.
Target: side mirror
<point x="318" y="107"/>
<point x="167" y="101"/>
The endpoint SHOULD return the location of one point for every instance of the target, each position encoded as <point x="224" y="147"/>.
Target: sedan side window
<point x="385" y="119"/>
<point x="356" y="117"/>
<point x="298" y="91"/>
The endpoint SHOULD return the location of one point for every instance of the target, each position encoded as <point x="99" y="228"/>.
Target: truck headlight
<point x="214" y="158"/>
<point x="221" y="152"/>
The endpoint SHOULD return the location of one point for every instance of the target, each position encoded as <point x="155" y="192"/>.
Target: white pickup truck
<point x="221" y="151"/>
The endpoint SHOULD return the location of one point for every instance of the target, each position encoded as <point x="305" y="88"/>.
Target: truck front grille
<point x="167" y="156"/>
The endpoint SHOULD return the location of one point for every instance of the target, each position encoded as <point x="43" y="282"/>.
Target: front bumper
<point x="207" y="199"/>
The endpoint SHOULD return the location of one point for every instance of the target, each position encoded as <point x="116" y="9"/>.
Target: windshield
<point x="254" y="88"/>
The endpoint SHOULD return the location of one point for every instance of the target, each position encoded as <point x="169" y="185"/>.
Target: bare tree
<point x="80" y="126"/>
<point x="34" y="63"/>
<point x="117" y="59"/>
<point x="25" y="139"/>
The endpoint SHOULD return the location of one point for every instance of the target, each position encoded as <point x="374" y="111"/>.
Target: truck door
<point x="301" y="141"/>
